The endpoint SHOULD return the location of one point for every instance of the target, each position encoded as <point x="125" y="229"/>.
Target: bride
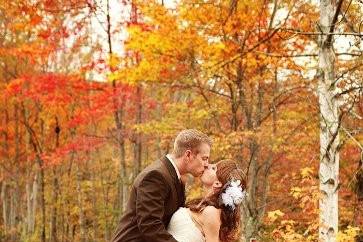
<point x="216" y="216"/>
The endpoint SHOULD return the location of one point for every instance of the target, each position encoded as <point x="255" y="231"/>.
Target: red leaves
<point x="55" y="92"/>
<point x="36" y="19"/>
<point x="75" y="103"/>
<point x="145" y="27"/>
<point x="45" y="34"/>
<point x="294" y="23"/>
<point x="49" y="89"/>
<point x="77" y="121"/>
<point x="76" y="145"/>
<point x="14" y="87"/>
<point x="49" y="4"/>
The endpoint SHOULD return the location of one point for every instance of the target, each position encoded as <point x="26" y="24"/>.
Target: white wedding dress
<point x="183" y="228"/>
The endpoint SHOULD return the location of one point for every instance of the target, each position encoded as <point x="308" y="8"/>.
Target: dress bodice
<point x="183" y="228"/>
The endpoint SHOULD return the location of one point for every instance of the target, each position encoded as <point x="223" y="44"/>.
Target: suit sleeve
<point x="151" y="195"/>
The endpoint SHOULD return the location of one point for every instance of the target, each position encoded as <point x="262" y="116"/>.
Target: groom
<point x="158" y="191"/>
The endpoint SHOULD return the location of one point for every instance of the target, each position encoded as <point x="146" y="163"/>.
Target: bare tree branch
<point x="329" y="38"/>
<point x="301" y="32"/>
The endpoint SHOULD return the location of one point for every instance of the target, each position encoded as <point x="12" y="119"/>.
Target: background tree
<point x="93" y="91"/>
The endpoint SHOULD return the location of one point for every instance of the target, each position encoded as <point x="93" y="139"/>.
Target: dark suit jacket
<point x="155" y="195"/>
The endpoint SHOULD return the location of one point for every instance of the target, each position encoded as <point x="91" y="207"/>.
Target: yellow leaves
<point x="136" y="36"/>
<point x="113" y="76"/>
<point x="220" y="46"/>
<point x="114" y="60"/>
<point x="195" y="190"/>
<point x="19" y="26"/>
<point x="278" y="141"/>
<point x="156" y="13"/>
<point x="144" y="71"/>
<point x="288" y="234"/>
<point x="296" y="192"/>
<point x="348" y="235"/>
<point x="290" y="230"/>
<point x="304" y="228"/>
<point x="162" y="51"/>
<point x="149" y="43"/>
<point x="251" y="60"/>
<point x="200" y="14"/>
<point x="274" y="215"/>
<point x="307" y="172"/>
<point x="178" y="117"/>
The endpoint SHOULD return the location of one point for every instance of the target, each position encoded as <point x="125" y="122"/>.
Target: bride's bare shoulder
<point x="211" y="223"/>
<point x="212" y="214"/>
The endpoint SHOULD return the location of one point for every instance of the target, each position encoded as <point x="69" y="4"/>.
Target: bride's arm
<point x="211" y="217"/>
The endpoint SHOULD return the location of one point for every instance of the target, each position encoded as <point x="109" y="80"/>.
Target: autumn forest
<point x="92" y="91"/>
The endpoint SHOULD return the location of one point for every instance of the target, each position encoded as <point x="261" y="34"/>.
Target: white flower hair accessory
<point x="233" y="194"/>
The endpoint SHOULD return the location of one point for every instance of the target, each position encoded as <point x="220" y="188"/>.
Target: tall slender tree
<point x="330" y="120"/>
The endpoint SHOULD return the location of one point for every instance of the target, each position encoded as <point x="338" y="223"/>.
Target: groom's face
<point x="197" y="162"/>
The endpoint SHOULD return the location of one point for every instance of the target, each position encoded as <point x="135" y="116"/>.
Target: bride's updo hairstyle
<point x="227" y="172"/>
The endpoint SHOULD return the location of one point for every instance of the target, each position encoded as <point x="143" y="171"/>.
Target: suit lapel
<point x="182" y="195"/>
<point x="179" y="187"/>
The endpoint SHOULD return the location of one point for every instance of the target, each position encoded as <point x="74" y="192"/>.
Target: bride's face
<point x="209" y="176"/>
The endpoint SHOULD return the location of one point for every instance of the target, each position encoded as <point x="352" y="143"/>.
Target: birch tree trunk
<point x="16" y="194"/>
<point x="13" y="212"/>
<point x="137" y="139"/>
<point x="118" y="118"/>
<point x="251" y="211"/>
<point x="82" y="224"/>
<point x="38" y="149"/>
<point x="42" y="198"/>
<point x="55" y="192"/>
<point x="4" y="206"/>
<point x="31" y="197"/>
<point x="5" y="195"/>
<point x="31" y="186"/>
<point x="329" y="125"/>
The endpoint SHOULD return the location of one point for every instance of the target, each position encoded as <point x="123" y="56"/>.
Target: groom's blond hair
<point x="189" y="139"/>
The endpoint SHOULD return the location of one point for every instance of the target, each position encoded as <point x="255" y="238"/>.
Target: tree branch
<point x="332" y="25"/>
<point x="301" y="32"/>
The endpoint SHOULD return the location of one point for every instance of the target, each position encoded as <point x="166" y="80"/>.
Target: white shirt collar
<point x="173" y="163"/>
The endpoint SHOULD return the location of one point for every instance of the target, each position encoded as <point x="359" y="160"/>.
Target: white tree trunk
<point x="82" y="224"/>
<point x="12" y="215"/>
<point x="28" y="207"/>
<point x="31" y="187"/>
<point x="32" y="196"/>
<point x="329" y="129"/>
<point x="4" y="207"/>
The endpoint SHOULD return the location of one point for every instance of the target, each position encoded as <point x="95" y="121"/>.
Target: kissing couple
<point x="156" y="209"/>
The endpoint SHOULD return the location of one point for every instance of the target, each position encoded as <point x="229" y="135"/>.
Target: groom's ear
<point x="188" y="153"/>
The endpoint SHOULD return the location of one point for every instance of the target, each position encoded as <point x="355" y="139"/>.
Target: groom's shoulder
<point x="154" y="170"/>
<point x="155" y="167"/>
